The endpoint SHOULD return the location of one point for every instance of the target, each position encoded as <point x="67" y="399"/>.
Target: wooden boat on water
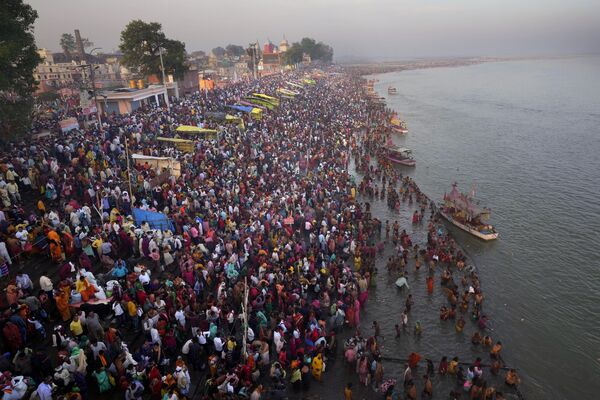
<point x="392" y="90"/>
<point x="400" y="155"/>
<point x="462" y="211"/>
<point x="398" y="126"/>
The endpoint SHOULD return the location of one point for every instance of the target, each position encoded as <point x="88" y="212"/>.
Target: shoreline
<point x="358" y="174"/>
<point x="369" y="69"/>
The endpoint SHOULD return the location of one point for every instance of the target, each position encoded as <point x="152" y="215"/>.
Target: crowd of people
<point x="267" y="258"/>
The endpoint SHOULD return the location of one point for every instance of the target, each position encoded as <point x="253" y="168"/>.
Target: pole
<point x="308" y="150"/>
<point x="245" y="315"/>
<point x="92" y="77"/>
<point x="128" y="173"/>
<point x="162" y="67"/>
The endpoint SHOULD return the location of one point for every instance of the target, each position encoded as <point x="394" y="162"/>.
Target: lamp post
<point x="92" y="78"/>
<point x="162" y="68"/>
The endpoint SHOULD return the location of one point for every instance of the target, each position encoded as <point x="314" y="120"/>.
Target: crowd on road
<point x="267" y="257"/>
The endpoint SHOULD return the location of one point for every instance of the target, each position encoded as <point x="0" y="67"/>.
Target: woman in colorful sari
<point x="103" y="380"/>
<point x="56" y="251"/>
<point x="85" y="288"/>
<point x="68" y="243"/>
<point x="317" y="366"/>
<point x="62" y="302"/>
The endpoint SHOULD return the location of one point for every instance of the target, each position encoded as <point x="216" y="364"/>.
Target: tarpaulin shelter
<point x="159" y="163"/>
<point x="290" y="94"/>
<point x="239" y="107"/>
<point x="182" y="144"/>
<point x="270" y="99"/>
<point x="247" y="103"/>
<point x="254" y="112"/>
<point x="215" y="115"/>
<point x="190" y="129"/>
<point x="68" y="124"/>
<point x="155" y="220"/>
<point x="260" y="101"/>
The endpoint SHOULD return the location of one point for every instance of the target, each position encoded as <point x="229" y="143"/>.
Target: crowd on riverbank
<point x="267" y="234"/>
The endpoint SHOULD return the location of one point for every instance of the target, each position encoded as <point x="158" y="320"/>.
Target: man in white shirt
<point x="44" y="390"/>
<point x="46" y="285"/>
<point x="24" y="282"/>
<point x="180" y="317"/>
<point x="218" y="343"/>
<point x="119" y="312"/>
<point x="155" y="336"/>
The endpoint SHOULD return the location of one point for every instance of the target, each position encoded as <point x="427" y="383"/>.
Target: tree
<point x="141" y="43"/>
<point x="233" y="50"/>
<point x="18" y="60"/>
<point x="87" y="43"/>
<point x="317" y="51"/>
<point x="294" y="54"/>
<point x="67" y="43"/>
<point x="219" y="52"/>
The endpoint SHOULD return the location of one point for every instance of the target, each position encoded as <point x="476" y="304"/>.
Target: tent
<point x="156" y="220"/>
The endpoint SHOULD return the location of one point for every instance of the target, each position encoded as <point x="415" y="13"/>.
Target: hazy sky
<point x="375" y="29"/>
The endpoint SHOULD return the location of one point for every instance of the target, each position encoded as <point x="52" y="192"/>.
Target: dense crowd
<point x="267" y="257"/>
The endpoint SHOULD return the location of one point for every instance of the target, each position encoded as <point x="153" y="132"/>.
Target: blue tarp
<point x="241" y="108"/>
<point x="156" y="220"/>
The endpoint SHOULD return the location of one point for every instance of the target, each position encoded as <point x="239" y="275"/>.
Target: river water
<point x="527" y="135"/>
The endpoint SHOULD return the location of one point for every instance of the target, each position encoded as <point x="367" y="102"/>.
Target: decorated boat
<point x="464" y="212"/>
<point x="392" y="90"/>
<point x="400" y="155"/>
<point x="398" y="126"/>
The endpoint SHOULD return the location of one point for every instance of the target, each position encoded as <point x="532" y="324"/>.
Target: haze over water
<point x="527" y="134"/>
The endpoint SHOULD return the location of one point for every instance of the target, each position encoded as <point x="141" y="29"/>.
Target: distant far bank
<point x="385" y="67"/>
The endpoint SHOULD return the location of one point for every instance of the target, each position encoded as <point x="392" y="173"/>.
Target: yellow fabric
<point x="76" y="327"/>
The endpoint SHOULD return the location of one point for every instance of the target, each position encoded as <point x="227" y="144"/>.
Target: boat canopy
<point x="397" y="149"/>
<point x="465" y="204"/>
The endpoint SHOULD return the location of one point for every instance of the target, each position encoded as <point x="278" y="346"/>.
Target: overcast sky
<point x="371" y="29"/>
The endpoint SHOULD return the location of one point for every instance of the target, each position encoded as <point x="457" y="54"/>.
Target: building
<point x="126" y="100"/>
<point x="284" y="46"/>
<point x="54" y="75"/>
<point x="57" y="71"/>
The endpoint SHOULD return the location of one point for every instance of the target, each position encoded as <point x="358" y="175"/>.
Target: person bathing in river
<point x="476" y="338"/>
<point x="430" y="284"/>
<point x="511" y="378"/>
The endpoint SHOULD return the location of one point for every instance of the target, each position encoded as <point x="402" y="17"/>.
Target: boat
<point x="392" y="90"/>
<point x="462" y="211"/>
<point x="400" y="155"/>
<point x="398" y="126"/>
